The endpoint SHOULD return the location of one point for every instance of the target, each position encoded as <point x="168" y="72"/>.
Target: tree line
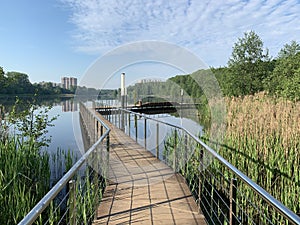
<point x="16" y="83"/>
<point x="249" y="70"/>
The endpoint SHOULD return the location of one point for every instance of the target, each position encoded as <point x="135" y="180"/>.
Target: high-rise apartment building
<point x="65" y="82"/>
<point x="68" y="82"/>
<point x="73" y="82"/>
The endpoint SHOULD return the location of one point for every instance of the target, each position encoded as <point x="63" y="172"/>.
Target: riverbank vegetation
<point x="17" y="84"/>
<point x="28" y="171"/>
<point x="250" y="70"/>
<point x="262" y="141"/>
<point x="262" y="137"/>
<point x="24" y="178"/>
<point x="24" y="168"/>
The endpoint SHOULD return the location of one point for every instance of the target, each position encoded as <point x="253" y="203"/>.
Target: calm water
<point x="63" y="135"/>
<point x="66" y="133"/>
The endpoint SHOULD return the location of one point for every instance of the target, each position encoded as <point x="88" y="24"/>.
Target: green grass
<point x="262" y="140"/>
<point x="24" y="178"/>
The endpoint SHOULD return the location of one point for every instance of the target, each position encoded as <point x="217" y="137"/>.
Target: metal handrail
<point x="46" y="200"/>
<point x="286" y="212"/>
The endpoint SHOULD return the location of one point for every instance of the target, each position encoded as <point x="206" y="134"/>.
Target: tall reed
<point x="263" y="141"/>
<point x="24" y="178"/>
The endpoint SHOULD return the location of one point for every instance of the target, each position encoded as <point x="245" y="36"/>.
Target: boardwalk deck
<point x="142" y="189"/>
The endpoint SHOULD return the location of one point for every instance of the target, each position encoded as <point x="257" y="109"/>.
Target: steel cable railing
<point x="74" y="198"/>
<point x="224" y="194"/>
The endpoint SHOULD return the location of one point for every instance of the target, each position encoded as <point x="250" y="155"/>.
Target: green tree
<point x="289" y="50"/>
<point x="18" y="83"/>
<point x="248" y="65"/>
<point x="32" y="123"/>
<point x="285" y="79"/>
<point x="2" y="81"/>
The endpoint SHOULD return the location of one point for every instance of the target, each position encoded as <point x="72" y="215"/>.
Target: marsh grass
<point x="24" y="178"/>
<point x="262" y="140"/>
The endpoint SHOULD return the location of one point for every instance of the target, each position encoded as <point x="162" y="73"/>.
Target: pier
<point x="125" y="182"/>
<point x="142" y="189"/>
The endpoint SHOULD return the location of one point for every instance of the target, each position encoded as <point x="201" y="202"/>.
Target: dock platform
<point x="142" y="189"/>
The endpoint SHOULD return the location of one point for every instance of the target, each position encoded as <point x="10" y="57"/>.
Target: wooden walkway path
<point x="142" y="189"/>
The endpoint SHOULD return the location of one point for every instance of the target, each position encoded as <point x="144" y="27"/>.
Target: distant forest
<point x="250" y="69"/>
<point x="17" y="84"/>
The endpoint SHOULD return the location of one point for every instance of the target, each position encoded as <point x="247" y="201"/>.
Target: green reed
<point x="262" y="140"/>
<point x="24" y="178"/>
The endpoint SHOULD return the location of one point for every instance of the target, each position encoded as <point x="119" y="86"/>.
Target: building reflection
<point x="69" y="106"/>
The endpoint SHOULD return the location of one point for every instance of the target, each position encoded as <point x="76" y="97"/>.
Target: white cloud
<point x="208" y="28"/>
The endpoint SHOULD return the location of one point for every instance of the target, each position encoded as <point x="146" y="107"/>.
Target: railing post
<point x="110" y="116"/>
<point x="72" y="202"/>
<point x="129" y="124"/>
<point x="107" y="113"/>
<point x="119" y="118"/>
<point x="115" y="117"/>
<point x="185" y="152"/>
<point x="145" y="133"/>
<point x="201" y="154"/>
<point x="95" y="129"/>
<point x="157" y="140"/>
<point x="175" y="154"/>
<point x="98" y="130"/>
<point x="107" y="160"/>
<point x="107" y="143"/>
<point x="232" y="213"/>
<point x="123" y="120"/>
<point x="96" y="179"/>
<point x="136" y="127"/>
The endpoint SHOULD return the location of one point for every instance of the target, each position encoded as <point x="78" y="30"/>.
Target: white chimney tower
<point x="123" y="88"/>
<point x="123" y="92"/>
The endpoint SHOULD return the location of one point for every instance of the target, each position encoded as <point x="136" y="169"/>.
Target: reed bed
<point x="262" y="140"/>
<point x="24" y="178"/>
<point x="27" y="173"/>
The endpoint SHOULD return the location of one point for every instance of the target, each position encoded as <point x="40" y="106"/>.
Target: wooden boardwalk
<point x="142" y="189"/>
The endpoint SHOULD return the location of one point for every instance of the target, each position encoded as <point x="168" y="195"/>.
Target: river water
<point x="66" y="133"/>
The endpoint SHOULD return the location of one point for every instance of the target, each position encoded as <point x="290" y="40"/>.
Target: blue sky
<point x="53" y="38"/>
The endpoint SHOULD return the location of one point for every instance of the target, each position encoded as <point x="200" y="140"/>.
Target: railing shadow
<point x="276" y="171"/>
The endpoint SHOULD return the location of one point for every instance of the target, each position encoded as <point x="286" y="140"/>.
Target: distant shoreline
<point x="32" y="95"/>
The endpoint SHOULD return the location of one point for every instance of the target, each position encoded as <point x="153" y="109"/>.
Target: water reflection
<point x="62" y="135"/>
<point x="69" y="106"/>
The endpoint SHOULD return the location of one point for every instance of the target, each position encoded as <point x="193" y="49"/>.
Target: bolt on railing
<point x="224" y="194"/>
<point x="87" y="177"/>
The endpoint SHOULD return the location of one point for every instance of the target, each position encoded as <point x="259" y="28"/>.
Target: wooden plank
<point x="142" y="189"/>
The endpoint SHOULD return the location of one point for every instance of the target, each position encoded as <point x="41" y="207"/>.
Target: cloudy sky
<point x="53" y="38"/>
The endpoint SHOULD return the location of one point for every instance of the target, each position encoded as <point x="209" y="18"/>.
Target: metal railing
<point x="86" y="177"/>
<point x="224" y="194"/>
